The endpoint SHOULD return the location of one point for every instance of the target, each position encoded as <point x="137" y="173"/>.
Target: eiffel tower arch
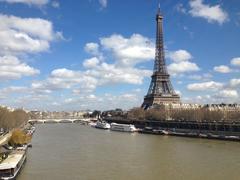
<point x="160" y="90"/>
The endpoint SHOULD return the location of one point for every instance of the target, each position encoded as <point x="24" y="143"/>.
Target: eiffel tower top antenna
<point x="159" y="8"/>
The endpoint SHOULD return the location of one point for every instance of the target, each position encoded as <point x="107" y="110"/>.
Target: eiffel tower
<point x="160" y="90"/>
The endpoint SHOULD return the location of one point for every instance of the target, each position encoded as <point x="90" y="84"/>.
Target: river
<point x="77" y="152"/>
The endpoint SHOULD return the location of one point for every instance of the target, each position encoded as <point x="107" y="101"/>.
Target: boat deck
<point x="12" y="160"/>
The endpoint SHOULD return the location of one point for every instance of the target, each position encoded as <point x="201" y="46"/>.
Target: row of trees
<point x="12" y="119"/>
<point x="199" y="114"/>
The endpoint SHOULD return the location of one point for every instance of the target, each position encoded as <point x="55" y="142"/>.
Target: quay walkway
<point x="5" y="138"/>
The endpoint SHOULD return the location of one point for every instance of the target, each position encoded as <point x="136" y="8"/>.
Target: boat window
<point x="5" y="172"/>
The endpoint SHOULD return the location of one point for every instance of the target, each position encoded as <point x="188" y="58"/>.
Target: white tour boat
<point x="123" y="127"/>
<point x="10" y="167"/>
<point x="102" y="125"/>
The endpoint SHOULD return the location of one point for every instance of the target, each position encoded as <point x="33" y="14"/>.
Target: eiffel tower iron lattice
<point x="160" y="90"/>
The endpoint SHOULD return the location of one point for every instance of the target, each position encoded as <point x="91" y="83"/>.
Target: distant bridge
<point x="41" y="121"/>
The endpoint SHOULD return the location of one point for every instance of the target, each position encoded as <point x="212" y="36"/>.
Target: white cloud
<point x="12" y="68"/>
<point x="33" y="101"/>
<point x="113" y="74"/>
<point x="92" y="48"/>
<point x="203" y="77"/>
<point x="218" y="92"/>
<point x="224" y="96"/>
<point x="13" y="89"/>
<point x="28" y="2"/>
<point x="129" y="51"/>
<point x="228" y="93"/>
<point x="195" y="77"/>
<point x="200" y="99"/>
<point x="178" y="92"/>
<point x="234" y="82"/>
<point x="91" y="96"/>
<point x="24" y="35"/>
<point x="77" y="91"/>
<point x="55" y="4"/>
<point x="103" y="3"/>
<point x="106" y="101"/>
<point x="181" y="62"/>
<point x="59" y="36"/>
<point x="210" y="13"/>
<point x="210" y="85"/>
<point x="222" y="69"/>
<point x="65" y="79"/>
<point x="180" y="8"/>
<point x="92" y="101"/>
<point x="91" y="63"/>
<point x="55" y="104"/>
<point x="179" y="55"/>
<point x="182" y="67"/>
<point x="98" y="72"/>
<point x="60" y="73"/>
<point x="236" y="61"/>
<point x="68" y="100"/>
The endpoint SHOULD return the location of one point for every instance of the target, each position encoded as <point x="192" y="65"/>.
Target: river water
<point x="77" y="152"/>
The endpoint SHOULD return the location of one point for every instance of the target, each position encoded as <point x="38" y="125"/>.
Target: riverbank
<point x="209" y="130"/>
<point x="190" y="134"/>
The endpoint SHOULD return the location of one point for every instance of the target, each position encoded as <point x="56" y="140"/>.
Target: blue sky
<point x="98" y="54"/>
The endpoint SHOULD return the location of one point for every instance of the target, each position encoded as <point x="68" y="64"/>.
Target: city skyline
<point x="99" y="54"/>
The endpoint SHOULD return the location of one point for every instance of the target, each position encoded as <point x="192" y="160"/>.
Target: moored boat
<point x="123" y="127"/>
<point x="165" y="132"/>
<point x="92" y="124"/>
<point x="146" y="130"/>
<point x="102" y="125"/>
<point x="151" y="130"/>
<point x="233" y="137"/>
<point x="10" y="167"/>
<point x="201" y="135"/>
<point x="160" y="132"/>
<point x="31" y="130"/>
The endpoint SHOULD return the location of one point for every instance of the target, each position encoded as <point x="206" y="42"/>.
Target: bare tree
<point x="9" y="120"/>
<point x="136" y="113"/>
